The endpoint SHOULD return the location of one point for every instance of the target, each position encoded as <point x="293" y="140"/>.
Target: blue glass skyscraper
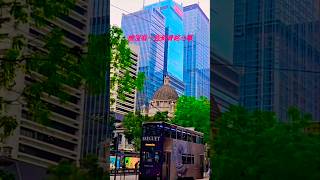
<point x="173" y="14"/>
<point x="95" y="133"/>
<point x="277" y="45"/>
<point x="173" y="50"/>
<point x="197" y="52"/>
<point x="151" y="23"/>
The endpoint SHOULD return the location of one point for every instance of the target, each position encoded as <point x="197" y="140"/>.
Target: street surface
<point x="134" y="177"/>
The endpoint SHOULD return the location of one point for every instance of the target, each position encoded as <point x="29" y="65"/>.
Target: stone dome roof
<point x="166" y="92"/>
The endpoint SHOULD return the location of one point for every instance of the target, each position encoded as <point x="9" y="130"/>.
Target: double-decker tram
<point x="169" y="151"/>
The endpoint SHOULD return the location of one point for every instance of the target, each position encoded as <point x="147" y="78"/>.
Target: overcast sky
<point x="136" y="5"/>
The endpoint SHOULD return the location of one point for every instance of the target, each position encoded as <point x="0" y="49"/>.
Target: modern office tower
<point x="95" y="122"/>
<point x="196" y="52"/>
<point x="224" y="83"/>
<point x="173" y="50"/>
<point x="47" y="145"/>
<point x="177" y="84"/>
<point x="150" y="23"/>
<point x="222" y="16"/>
<point x="99" y="20"/>
<point x="277" y="45"/>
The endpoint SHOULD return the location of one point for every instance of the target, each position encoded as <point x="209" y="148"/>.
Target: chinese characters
<point x="144" y="37"/>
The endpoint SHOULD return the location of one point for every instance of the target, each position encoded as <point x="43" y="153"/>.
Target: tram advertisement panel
<point x="179" y="148"/>
<point x="131" y="162"/>
<point x="113" y="162"/>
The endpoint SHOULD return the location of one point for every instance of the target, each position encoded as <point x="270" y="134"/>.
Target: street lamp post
<point x="116" y="153"/>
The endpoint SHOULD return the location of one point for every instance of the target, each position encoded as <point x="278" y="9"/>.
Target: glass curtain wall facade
<point x="95" y="127"/>
<point x="225" y="83"/>
<point x="276" y="42"/>
<point x="173" y="14"/>
<point x="196" y="52"/>
<point x="151" y="62"/>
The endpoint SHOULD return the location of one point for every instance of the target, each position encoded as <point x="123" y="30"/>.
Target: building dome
<point x="166" y="92"/>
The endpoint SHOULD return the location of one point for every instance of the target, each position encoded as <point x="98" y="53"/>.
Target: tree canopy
<point x="55" y="63"/>
<point x="133" y="125"/>
<point x="256" y="145"/>
<point x="193" y="112"/>
<point x="89" y="169"/>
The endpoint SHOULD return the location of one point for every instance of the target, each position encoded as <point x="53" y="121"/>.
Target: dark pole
<point x="116" y="152"/>
<point x="124" y="167"/>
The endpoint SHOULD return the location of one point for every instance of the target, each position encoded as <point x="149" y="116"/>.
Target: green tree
<point x="161" y="116"/>
<point x="53" y="64"/>
<point x="89" y="169"/>
<point x="16" y="15"/>
<point x="92" y="168"/>
<point x="120" y="63"/>
<point x="256" y="145"/>
<point x="193" y="112"/>
<point x="133" y="125"/>
<point x="133" y="128"/>
<point x="65" y="170"/>
<point x="6" y="176"/>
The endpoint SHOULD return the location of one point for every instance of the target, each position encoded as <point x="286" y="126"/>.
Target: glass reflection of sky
<point x="175" y="24"/>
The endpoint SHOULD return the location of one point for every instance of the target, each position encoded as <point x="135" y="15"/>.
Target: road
<point x="133" y="177"/>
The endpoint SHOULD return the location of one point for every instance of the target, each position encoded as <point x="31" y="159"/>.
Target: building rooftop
<point x="166" y="92"/>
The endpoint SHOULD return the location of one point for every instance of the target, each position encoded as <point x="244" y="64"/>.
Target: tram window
<point x="179" y="135"/>
<point x="184" y="136"/>
<point x="189" y="137"/>
<point x="198" y="140"/>
<point x="201" y="141"/>
<point x="167" y="132"/>
<point x="184" y="159"/>
<point x="188" y="159"/>
<point x="173" y="133"/>
<point x="194" y="139"/>
<point x="153" y="130"/>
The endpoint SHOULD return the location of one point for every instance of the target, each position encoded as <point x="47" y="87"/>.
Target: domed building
<point x="164" y="100"/>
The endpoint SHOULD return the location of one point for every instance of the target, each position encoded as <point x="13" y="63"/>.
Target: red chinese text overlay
<point x="132" y="38"/>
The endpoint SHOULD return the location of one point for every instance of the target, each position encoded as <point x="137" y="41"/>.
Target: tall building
<point x="224" y="82"/>
<point x="147" y="22"/>
<point x="95" y="124"/>
<point x="196" y="52"/>
<point x="47" y="145"/>
<point x="173" y="54"/>
<point x="122" y="107"/>
<point x="177" y="84"/>
<point x="222" y="16"/>
<point x="99" y="20"/>
<point x="277" y="45"/>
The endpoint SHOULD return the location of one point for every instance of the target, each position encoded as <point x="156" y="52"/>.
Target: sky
<point x="136" y="5"/>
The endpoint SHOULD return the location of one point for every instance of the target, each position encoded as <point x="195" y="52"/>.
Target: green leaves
<point x="89" y="169"/>
<point x="133" y="127"/>
<point x="6" y="175"/>
<point x="19" y="12"/>
<point x="121" y="79"/>
<point x="8" y="124"/>
<point x="192" y="112"/>
<point x="94" y="65"/>
<point x="256" y="145"/>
